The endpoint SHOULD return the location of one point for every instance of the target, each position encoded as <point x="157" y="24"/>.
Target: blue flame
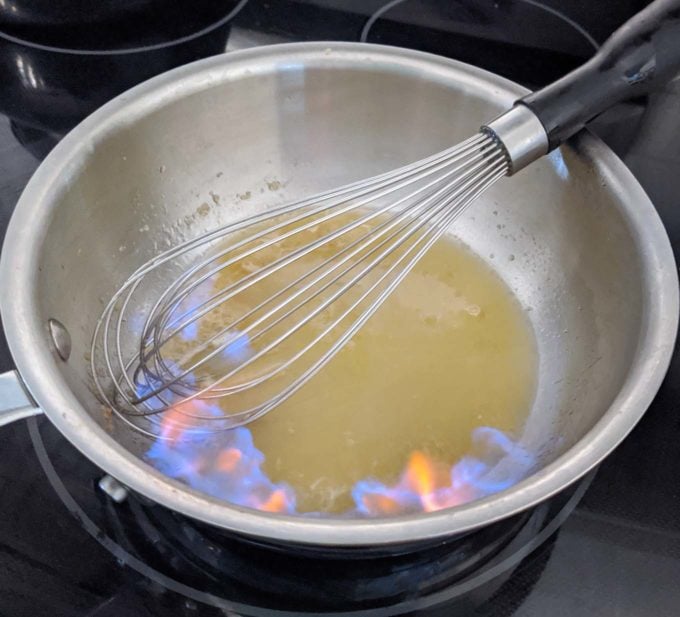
<point x="502" y="463"/>
<point x="409" y="500"/>
<point x="236" y="478"/>
<point x="239" y="350"/>
<point x="230" y="468"/>
<point x="498" y="463"/>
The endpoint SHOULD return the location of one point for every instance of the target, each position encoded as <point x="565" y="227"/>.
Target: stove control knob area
<point x="114" y="489"/>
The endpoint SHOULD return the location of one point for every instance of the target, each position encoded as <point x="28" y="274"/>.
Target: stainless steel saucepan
<point x="574" y="236"/>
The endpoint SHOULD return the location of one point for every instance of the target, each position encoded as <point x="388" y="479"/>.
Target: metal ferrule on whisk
<point x="521" y="135"/>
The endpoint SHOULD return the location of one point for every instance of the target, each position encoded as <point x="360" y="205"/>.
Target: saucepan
<point x="574" y="236"/>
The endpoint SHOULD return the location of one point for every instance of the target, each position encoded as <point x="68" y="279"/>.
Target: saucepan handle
<point x="640" y="56"/>
<point x="15" y="402"/>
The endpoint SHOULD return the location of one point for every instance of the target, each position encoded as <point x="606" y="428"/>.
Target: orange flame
<point x="232" y="469"/>
<point x="276" y="502"/>
<point x="381" y="504"/>
<point x="424" y="477"/>
<point x="424" y="485"/>
<point x="420" y="473"/>
<point x="174" y="420"/>
<point x="228" y="459"/>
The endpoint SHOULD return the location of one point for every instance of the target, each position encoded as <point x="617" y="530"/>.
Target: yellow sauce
<point x="449" y="351"/>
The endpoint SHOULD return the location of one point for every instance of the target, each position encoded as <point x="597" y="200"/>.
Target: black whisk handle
<point x="639" y="57"/>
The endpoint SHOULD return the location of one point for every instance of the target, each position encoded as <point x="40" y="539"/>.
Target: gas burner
<point x="477" y="13"/>
<point x="529" y="41"/>
<point x="199" y="563"/>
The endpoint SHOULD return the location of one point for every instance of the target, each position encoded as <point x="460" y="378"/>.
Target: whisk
<point x="219" y="330"/>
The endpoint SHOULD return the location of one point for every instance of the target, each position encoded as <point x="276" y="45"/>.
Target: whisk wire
<point x="427" y="167"/>
<point x="244" y="283"/>
<point x="446" y="189"/>
<point x="382" y="227"/>
<point x="438" y="226"/>
<point x="304" y="250"/>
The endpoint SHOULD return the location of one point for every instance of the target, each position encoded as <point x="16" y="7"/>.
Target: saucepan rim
<point x="36" y="363"/>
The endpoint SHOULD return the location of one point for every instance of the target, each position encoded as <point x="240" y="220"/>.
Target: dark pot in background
<point x="61" y="12"/>
<point x="55" y="68"/>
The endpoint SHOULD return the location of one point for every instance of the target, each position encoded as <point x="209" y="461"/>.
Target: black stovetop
<point x="67" y="549"/>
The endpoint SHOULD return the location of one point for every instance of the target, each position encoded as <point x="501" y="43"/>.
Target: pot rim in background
<point x="18" y="40"/>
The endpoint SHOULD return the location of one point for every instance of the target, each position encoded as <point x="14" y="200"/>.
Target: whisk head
<point x="217" y="331"/>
